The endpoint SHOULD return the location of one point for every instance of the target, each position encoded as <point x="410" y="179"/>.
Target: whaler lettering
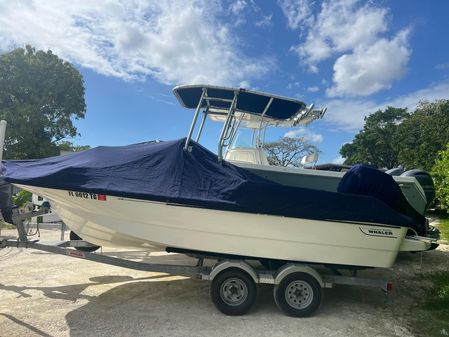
<point x="380" y="232"/>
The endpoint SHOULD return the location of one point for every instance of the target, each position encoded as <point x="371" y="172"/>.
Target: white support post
<point x="232" y="108"/>
<point x="195" y="117"/>
<point x="2" y="140"/>
<point x="202" y="125"/>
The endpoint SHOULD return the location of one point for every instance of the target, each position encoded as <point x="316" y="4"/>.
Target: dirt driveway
<point x="42" y="294"/>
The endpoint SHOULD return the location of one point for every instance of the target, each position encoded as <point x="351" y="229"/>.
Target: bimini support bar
<point x="205" y="112"/>
<point x="2" y="139"/>
<point x="226" y="125"/>
<point x="258" y="142"/>
<point x="195" y="117"/>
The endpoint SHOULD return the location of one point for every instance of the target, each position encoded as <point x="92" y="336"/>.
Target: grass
<point x="5" y="225"/>
<point x="443" y="226"/>
<point x="439" y="292"/>
<point x="430" y="316"/>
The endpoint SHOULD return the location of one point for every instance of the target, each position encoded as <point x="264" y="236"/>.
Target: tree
<point x="440" y="174"/>
<point x="67" y="146"/>
<point x="376" y="144"/>
<point x="288" y="151"/>
<point x="394" y="137"/>
<point x="39" y="96"/>
<point x="423" y="134"/>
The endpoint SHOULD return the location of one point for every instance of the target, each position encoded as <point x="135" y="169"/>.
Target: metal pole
<point x="2" y="140"/>
<point x="202" y="125"/>
<point x="226" y="125"/>
<point x="63" y="228"/>
<point x="261" y="120"/>
<point x="195" y="117"/>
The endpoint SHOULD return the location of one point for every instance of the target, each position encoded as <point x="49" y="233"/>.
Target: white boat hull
<point x="155" y="226"/>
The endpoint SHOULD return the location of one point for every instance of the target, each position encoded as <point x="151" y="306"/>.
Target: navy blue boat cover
<point x="248" y="101"/>
<point x="367" y="180"/>
<point x="165" y="172"/>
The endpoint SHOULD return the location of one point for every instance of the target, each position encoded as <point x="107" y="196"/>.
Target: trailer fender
<point x="293" y="268"/>
<point x="226" y="264"/>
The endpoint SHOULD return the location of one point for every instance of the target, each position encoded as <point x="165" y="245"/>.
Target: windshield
<point x="243" y="138"/>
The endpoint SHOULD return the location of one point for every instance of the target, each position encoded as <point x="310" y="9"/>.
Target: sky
<point x="353" y="57"/>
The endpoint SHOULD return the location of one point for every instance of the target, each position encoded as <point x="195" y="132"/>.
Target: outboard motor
<point x="426" y="182"/>
<point x="367" y="180"/>
<point x="397" y="171"/>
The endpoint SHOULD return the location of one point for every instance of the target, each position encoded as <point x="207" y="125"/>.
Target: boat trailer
<point x="297" y="291"/>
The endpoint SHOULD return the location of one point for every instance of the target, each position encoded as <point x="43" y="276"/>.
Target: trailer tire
<point x="298" y="294"/>
<point x="233" y="292"/>
<point x="74" y="236"/>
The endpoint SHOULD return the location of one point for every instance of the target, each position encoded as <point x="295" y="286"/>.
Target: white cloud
<point x="241" y="10"/>
<point x="352" y="32"/>
<point x="245" y="84"/>
<point x="339" y="160"/>
<point x="238" y="6"/>
<point x="442" y="66"/>
<point x="237" y="11"/>
<point x="291" y="85"/>
<point x="348" y="114"/>
<point x="173" y="41"/>
<point x="265" y="21"/>
<point x="371" y="68"/>
<point x="305" y="133"/>
<point x="313" y="89"/>
<point x="341" y="25"/>
<point x="296" y="11"/>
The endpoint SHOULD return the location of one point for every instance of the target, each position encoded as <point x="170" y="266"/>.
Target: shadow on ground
<point x="162" y="305"/>
<point x="183" y="308"/>
<point x="72" y="292"/>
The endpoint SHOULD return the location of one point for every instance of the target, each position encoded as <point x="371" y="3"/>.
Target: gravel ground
<point x="43" y="294"/>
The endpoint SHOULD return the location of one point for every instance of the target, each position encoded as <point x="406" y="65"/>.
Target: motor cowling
<point x="397" y="171"/>
<point x="426" y="182"/>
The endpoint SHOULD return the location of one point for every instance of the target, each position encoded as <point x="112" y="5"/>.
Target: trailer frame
<point x="227" y="276"/>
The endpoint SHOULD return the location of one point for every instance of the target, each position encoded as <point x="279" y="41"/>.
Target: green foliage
<point x="396" y="137"/>
<point x="443" y="226"/>
<point x="288" y="151"/>
<point x="423" y="134"/>
<point x="5" y="225"/>
<point x="70" y="147"/>
<point x="39" y="96"/>
<point x="376" y="144"/>
<point x="440" y="174"/>
<point x="431" y="304"/>
<point x="21" y="198"/>
<point x="439" y="292"/>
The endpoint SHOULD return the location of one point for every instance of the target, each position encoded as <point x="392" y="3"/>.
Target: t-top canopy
<point x="219" y="99"/>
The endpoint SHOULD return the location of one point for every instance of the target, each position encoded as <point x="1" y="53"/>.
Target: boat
<point x="180" y="197"/>
<point x="252" y="157"/>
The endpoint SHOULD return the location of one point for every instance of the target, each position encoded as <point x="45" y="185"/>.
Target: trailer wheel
<point x="74" y="236"/>
<point x="298" y="294"/>
<point x="233" y="292"/>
